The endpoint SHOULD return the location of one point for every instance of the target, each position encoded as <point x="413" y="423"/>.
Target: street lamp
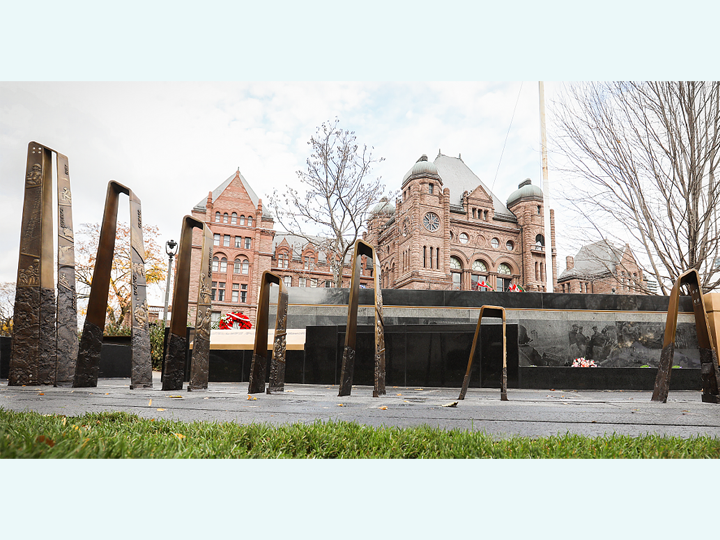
<point x="171" y="248"/>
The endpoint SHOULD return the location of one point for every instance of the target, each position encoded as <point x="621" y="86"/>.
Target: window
<point x="282" y="259"/>
<point x="238" y="241"/>
<point x="509" y="245"/>
<point x="242" y="220"/>
<point x="245" y="266"/>
<point x="248" y="243"/>
<point x="504" y="283"/>
<point x="309" y="261"/>
<point x="495" y="243"/>
<point x="215" y="317"/>
<point x="504" y="269"/>
<point x="287" y="281"/>
<point x="243" y="293"/>
<point x="237" y="266"/>
<point x="221" y="291"/>
<point x="235" y="292"/>
<point x="474" y="213"/>
<point x="226" y="240"/>
<point x="540" y="242"/>
<point x="225" y="217"/>
<point x="217" y="217"/>
<point x="249" y="221"/>
<point x="233" y="218"/>
<point x="213" y="291"/>
<point x="538" y="210"/>
<point x="328" y="284"/>
<point x="431" y="221"/>
<point x="456" y="272"/>
<point x="301" y="282"/>
<point x="223" y="265"/>
<point x="216" y="239"/>
<point x="215" y="264"/>
<point x="464" y="238"/>
<point x="431" y="189"/>
<point x="313" y="282"/>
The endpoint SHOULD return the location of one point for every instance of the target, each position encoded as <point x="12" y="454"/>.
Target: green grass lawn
<point x="123" y="435"/>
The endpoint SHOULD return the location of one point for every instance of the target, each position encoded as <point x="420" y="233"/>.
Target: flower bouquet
<point x="581" y="362"/>
<point x="235" y="321"/>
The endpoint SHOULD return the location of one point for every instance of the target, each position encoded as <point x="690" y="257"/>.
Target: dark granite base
<point x="5" y="348"/>
<point x="569" y="378"/>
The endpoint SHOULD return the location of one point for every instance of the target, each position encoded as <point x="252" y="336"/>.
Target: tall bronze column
<point x="708" y="353"/>
<point x="177" y="338"/>
<point x="259" y="358"/>
<point x="44" y="335"/>
<point x="348" y="361"/>
<point x="88" y="363"/>
<point x="488" y="311"/>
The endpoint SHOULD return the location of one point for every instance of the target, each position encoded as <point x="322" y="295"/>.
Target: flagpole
<point x="546" y="193"/>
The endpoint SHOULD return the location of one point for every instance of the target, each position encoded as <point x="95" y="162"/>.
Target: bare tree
<point x="338" y="193"/>
<point x="642" y="157"/>
<point x="7" y="307"/>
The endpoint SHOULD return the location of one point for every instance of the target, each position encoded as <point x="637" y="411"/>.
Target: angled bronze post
<point x="708" y="353"/>
<point x="44" y="342"/>
<point x="488" y="311"/>
<point x="259" y="360"/>
<point x="88" y="362"/>
<point x="348" y="361"/>
<point x="177" y="338"/>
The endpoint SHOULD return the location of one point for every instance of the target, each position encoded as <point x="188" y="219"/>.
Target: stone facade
<point x="245" y="245"/>
<point x="447" y="230"/>
<point x="602" y="268"/>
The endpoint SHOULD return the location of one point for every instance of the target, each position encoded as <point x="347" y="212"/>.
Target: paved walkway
<point x="530" y="413"/>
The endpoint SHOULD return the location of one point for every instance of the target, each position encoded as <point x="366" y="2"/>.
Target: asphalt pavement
<point x="531" y="413"/>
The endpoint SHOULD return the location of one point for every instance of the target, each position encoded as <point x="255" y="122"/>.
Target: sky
<point x="172" y="142"/>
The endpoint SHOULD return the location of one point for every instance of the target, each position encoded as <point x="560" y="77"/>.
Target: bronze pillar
<point x="259" y="359"/>
<point x="708" y="352"/>
<point x="88" y="363"/>
<point x="44" y="336"/>
<point x="348" y="361"/>
<point x="177" y="340"/>
<point x="488" y="311"/>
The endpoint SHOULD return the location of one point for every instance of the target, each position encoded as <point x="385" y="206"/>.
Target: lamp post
<point x="171" y="248"/>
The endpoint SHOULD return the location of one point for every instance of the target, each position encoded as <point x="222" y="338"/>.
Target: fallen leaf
<point x="340" y="405"/>
<point x="46" y="440"/>
<point x="161" y="409"/>
<point x="420" y="389"/>
<point x="406" y="401"/>
<point x="64" y="420"/>
<point x="451" y="404"/>
<point x="383" y="408"/>
<point x="250" y="398"/>
<point x="150" y="403"/>
<point x="40" y="394"/>
<point x="107" y="393"/>
<point x="206" y="398"/>
<point x="179" y="436"/>
<point x="289" y="390"/>
<point x="394" y="386"/>
<point x="398" y="394"/>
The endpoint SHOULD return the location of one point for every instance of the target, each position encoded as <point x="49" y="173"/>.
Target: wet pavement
<point x="531" y="413"/>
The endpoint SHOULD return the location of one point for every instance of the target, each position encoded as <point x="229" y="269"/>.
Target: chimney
<point x="569" y="263"/>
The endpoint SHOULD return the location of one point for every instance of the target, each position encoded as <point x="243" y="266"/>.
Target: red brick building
<point x="245" y="245"/>
<point x="602" y="268"/>
<point x="447" y="230"/>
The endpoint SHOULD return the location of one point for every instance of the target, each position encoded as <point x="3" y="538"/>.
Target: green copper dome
<point x="525" y="190"/>
<point x="383" y="207"/>
<point x="422" y="167"/>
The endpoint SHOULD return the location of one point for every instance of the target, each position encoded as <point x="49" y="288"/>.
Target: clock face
<point x="431" y="221"/>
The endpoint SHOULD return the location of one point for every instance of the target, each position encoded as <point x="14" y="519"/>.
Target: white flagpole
<point x="546" y="193"/>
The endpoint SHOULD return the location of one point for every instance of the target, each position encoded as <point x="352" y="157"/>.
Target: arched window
<point x="236" y="266"/>
<point x="223" y="265"/>
<point x="225" y="217"/>
<point x="215" y="264"/>
<point x="245" y="266"/>
<point x="233" y="218"/>
<point x="456" y="272"/>
<point x="495" y="243"/>
<point x="506" y="279"/>
<point x="217" y="217"/>
<point x="479" y="274"/>
<point x="539" y="242"/>
<point x="242" y="220"/>
<point x="249" y="221"/>
<point x="431" y="189"/>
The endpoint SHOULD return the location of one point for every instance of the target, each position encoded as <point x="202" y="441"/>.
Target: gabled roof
<point x="218" y="191"/>
<point x="594" y="260"/>
<point x="458" y="177"/>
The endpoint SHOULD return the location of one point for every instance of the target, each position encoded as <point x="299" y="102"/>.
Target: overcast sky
<point x="172" y="142"/>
